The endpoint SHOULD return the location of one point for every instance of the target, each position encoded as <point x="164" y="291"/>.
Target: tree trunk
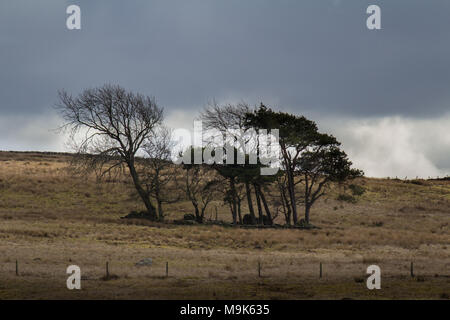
<point x="233" y="200"/>
<point x="160" y="210"/>
<point x="144" y="195"/>
<point x="203" y="214"/>
<point x="250" y="202"/>
<point x="266" y="206"/>
<point x="291" y="189"/>
<point x="290" y="182"/>
<point x="239" y="210"/>
<point x="288" y="216"/>
<point x="159" y="203"/>
<point x="198" y="217"/>
<point x="233" y="214"/>
<point x="307" y="211"/>
<point x="258" y="202"/>
<point x="286" y="206"/>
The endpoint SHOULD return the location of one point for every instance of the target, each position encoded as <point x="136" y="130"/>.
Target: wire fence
<point x="255" y="270"/>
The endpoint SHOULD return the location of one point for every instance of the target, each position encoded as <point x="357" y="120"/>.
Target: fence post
<point x="167" y="269"/>
<point x="320" y="272"/>
<point x="107" y="270"/>
<point x="17" y="268"/>
<point x="259" y="269"/>
<point x="412" y="269"/>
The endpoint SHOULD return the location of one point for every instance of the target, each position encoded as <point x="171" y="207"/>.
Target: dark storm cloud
<point x="312" y="56"/>
<point x="384" y="94"/>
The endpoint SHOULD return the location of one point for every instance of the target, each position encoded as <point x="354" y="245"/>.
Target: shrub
<point x="417" y="182"/>
<point x="357" y="190"/>
<point x="346" y="198"/>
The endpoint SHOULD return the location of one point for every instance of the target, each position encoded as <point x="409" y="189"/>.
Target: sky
<point x="383" y="93"/>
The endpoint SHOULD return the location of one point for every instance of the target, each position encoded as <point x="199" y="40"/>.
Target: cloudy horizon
<point x="384" y="94"/>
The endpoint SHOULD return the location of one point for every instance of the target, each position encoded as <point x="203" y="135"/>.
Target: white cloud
<point x="382" y="147"/>
<point x="37" y="133"/>
<point x="180" y="118"/>
<point x="395" y="146"/>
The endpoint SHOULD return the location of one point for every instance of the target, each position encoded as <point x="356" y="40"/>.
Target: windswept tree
<point x="310" y="159"/>
<point x="320" y="166"/>
<point x="296" y="134"/>
<point x="109" y="126"/>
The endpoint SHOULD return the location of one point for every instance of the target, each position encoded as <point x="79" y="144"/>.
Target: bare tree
<point x="200" y="188"/>
<point x="224" y="118"/>
<point x="109" y="126"/>
<point x="229" y="120"/>
<point x="283" y="201"/>
<point x="159" y="174"/>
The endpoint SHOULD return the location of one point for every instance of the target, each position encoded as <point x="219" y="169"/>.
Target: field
<point x="50" y="219"/>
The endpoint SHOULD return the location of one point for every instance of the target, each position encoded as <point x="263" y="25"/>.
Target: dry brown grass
<point x="50" y="219"/>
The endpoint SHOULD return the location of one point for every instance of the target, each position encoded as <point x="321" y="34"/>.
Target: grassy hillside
<point x="50" y="219"/>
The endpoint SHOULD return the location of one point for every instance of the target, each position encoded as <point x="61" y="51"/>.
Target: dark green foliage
<point x="307" y="156"/>
<point x="346" y="198"/>
<point x="357" y="190"/>
<point x="295" y="131"/>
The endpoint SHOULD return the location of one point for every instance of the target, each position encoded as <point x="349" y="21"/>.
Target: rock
<point x="138" y="215"/>
<point x="247" y="219"/>
<point x="185" y="222"/>
<point x="145" y="262"/>
<point x="189" y="217"/>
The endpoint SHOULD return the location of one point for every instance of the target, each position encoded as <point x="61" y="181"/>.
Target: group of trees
<point x="115" y="130"/>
